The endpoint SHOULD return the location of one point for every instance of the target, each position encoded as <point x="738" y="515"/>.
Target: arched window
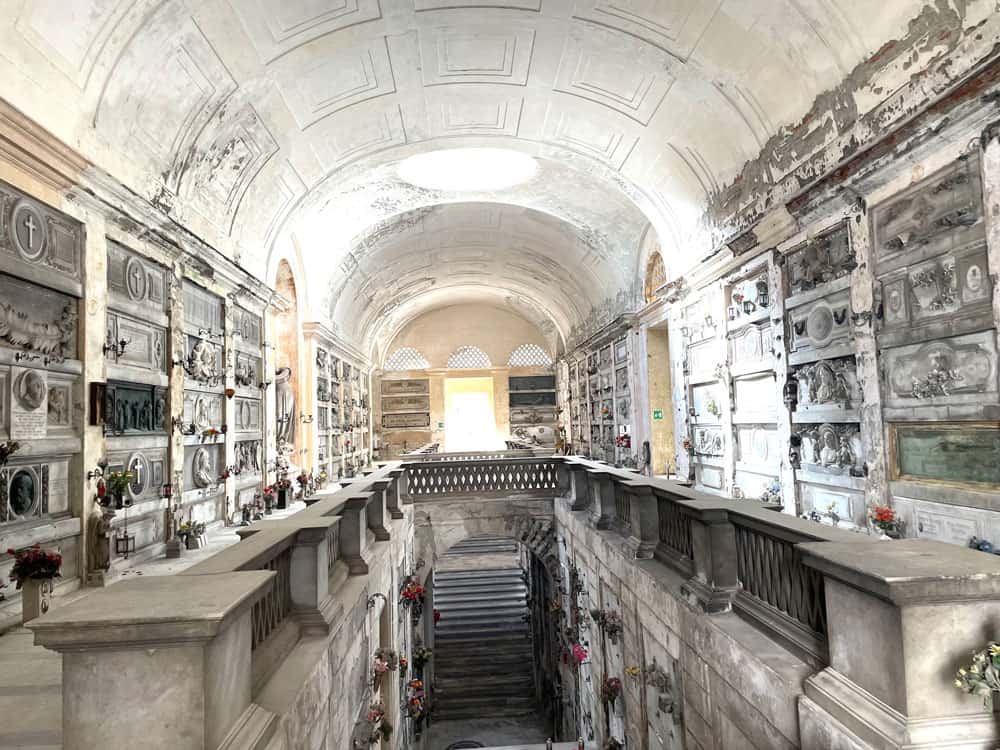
<point x="468" y="358"/>
<point x="406" y="358"/>
<point x="529" y="355"/>
<point x="656" y="276"/>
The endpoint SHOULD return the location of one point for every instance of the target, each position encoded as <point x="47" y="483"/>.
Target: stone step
<point x="480" y="594"/>
<point x="499" y="620"/>
<point x="516" y="634"/>
<point x="493" y="573"/>
<point x="497" y="684"/>
<point x="501" y="608"/>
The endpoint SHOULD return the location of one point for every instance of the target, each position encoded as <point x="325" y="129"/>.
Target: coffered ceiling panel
<point x="278" y="128"/>
<point x="477" y="54"/>
<point x="278" y="26"/>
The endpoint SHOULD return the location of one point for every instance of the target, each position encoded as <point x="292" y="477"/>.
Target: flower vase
<point x="36" y="594"/>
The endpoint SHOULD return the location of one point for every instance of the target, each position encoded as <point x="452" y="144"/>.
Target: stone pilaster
<point x="990" y="165"/>
<point x="864" y="308"/>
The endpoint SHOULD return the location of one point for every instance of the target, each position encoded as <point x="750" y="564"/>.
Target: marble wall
<point x="852" y="361"/>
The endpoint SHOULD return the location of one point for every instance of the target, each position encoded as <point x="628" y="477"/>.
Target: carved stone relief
<point x="827" y="387"/>
<point x="24" y="491"/>
<point x="204" y="360"/>
<point x="248" y="457"/>
<point x="247" y="370"/>
<point x="36" y="319"/>
<point x="949" y="286"/>
<point x="751" y="346"/>
<point x="136" y="279"/>
<point x="248" y="325"/>
<point x="203" y="410"/>
<point x="203" y="466"/>
<point x="35" y="235"/>
<point x="820" y="260"/>
<point x="134" y="407"/>
<point x="148" y="468"/>
<point x="708" y="441"/>
<point x="146" y="343"/>
<point x="833" y="447"/>
<point x="820" y="329"/>
<point x="60" y="401"/>
<point x="938" y="214"/>
<point x="958" y="369"/>
<point x="757" y="444"/>
<point x="247" y="414"/>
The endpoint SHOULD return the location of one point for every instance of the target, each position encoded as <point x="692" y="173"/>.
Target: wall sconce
<point x="709" y="323"/>
<point x="166" y="491"/>
<point x="115" y="347"/>
<point x="791" y="392"/>
<point x="748" y="306"/>
<point x="374" y="598"/>
<point x="263" y="385"/>
<point x="684" y="331"/>
<point x="306" y="418"/>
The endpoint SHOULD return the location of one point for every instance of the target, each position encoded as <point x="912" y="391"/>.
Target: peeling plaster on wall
<point x="897" y="81"/>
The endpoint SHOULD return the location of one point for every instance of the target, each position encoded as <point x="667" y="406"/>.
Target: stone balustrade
<point x="857" y="611"/>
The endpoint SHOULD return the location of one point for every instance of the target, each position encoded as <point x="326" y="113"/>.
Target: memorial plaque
<point x="29" y="403"/>
<point x="964" y="454"/>
<point x="403" y="387"/>
<point x="406" y="403"/>
<point x="942" y="528"/>
<point x="405" y="420"/>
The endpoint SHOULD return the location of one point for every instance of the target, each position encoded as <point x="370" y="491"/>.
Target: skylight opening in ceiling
<point x="468" y="169"/>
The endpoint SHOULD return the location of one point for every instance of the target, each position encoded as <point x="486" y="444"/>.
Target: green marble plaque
<point x="966" y="454"/>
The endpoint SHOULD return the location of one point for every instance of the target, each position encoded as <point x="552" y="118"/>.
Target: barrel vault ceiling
<point x="275" y="127"/>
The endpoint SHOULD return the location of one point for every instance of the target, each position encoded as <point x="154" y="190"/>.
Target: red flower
<point x="437" y="615"/>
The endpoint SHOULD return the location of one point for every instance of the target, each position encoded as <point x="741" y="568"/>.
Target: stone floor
<point x="31" y="685"/>
<point x="491" y="732"/>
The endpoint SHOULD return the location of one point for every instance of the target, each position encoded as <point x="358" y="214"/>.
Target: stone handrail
<point x="473" y="455"/>
<point x="855" y="608"/>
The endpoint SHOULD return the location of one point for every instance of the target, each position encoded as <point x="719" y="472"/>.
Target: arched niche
<point x="655" y="276"/>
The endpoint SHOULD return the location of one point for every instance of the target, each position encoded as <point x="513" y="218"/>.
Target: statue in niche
<point x="201" y="468"/>
<point x="144" y="414"/>
<point x="284" y="407"/>
<point x="99" y="538"/>
<point x="161" y="409"/>
<point x="829" y="451"/>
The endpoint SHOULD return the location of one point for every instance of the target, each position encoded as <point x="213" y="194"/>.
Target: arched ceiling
<point x="274" y="127"/>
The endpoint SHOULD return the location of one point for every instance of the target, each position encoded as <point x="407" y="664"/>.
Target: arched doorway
<point x="662" y="459"/>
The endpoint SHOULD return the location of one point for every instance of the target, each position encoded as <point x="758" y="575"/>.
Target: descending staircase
<point x="482" y="644"/>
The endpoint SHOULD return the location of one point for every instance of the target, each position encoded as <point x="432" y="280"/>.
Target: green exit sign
<point x="657" y="414"/>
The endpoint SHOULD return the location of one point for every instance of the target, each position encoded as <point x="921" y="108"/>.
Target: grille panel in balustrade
<point x="463" y="478"/>
<point x="275" y="606"/>
<point x="675" y="528"/>
<point x="771" y="571"/>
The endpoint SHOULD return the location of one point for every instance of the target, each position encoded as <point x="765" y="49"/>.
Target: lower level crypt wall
<point x="727" y="685"/>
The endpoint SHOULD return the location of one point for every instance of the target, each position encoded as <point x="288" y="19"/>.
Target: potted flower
<point x="580" y="653"/>
<point x="885" y="520"/>
<point x="611" y="690"/>
<point x="303" y="481"/>
<point x="34" y="568"/>
<point x="192" y="533"/>
<point x="268" y="497"/>
<point x="421" y="655"/>
<point x="117" y="484"/>
<point x="609" y="622"/>
<point x="982" y="676"/>
<point x="284" y="488"/>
